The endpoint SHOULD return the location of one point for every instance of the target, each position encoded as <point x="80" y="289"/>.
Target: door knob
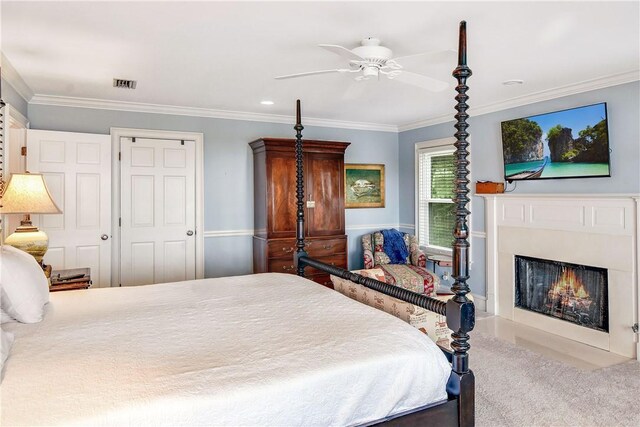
<point x="190" y="233"/>
<point x="104" y="237"/>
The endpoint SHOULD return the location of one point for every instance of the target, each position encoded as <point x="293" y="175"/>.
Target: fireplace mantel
<point x="591" y="229"/>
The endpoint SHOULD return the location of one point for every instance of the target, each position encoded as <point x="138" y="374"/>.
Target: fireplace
<point x="570" y="292"/>
<point x="597" y="231"/>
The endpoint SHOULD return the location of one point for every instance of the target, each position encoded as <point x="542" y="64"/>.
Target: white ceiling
<point x="224" y="55"/>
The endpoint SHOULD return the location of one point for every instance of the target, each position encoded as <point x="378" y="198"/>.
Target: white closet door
<point x="77" y="170"/>
<point x="157" y="205"/>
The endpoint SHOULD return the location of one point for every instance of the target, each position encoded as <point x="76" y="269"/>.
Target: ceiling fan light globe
<point x="370" y="71"/>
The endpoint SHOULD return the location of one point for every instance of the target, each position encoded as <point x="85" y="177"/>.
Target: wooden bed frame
<point x="459" y="409"/>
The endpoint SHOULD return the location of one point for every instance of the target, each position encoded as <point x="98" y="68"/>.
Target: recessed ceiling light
<point x="266" y="102"/>
<point x="512" y="82"/>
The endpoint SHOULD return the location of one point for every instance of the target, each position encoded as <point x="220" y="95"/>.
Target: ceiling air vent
<point x="124" y="84"/>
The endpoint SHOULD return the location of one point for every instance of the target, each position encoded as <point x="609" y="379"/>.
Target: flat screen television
<point x="571" y="143"/>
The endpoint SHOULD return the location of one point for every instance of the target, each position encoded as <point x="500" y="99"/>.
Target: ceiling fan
<point x="371" y="59"/>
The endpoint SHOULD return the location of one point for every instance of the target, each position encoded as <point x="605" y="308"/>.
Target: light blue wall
<point x="228" y="171"/>
<point x="10" y="96"/>
<point x="623" y="108"/>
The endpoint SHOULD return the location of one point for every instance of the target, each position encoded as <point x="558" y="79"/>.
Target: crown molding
<point x="101" y="104"/>
<point x="11" y="77"/>
<point x="545" y="95"/>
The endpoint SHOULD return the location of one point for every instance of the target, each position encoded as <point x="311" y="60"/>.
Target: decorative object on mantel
<point x="364" y="186"/>
<point x="27" y="193"/>
<point x="488" y="187"/>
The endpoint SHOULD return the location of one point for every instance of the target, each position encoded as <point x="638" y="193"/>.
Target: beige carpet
<point x="517" y="387"/>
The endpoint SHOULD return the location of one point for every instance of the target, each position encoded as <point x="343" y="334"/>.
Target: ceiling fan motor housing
<point x="371" y="50"/>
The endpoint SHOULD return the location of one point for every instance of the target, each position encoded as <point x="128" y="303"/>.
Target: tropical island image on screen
<point x="565" y="144"/>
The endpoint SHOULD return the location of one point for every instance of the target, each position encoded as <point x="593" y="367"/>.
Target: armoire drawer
<point x="339" y="260"/>
<point x="323" y="279"/>
<point x="284" y="248"/>
<point x="286" y="265"/>
<point x="325" y="247"/>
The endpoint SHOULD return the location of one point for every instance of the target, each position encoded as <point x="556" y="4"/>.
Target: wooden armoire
<point x="274" y="183"/>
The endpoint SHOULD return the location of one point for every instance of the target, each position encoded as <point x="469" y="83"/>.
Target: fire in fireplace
<point x="571" y="292"/>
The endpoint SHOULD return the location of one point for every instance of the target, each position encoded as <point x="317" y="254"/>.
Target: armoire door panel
<point x="325" y="180"/>
<point x="281" y="198"/>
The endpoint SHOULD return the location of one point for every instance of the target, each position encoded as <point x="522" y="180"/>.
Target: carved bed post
<point x="300" y="252"/>
<point x="460" y="310"/>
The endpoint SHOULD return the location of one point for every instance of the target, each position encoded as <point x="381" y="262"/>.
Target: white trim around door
<point x="116" y="135"/>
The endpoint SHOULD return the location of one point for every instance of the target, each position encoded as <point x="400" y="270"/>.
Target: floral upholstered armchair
<point x="411" y="275"/>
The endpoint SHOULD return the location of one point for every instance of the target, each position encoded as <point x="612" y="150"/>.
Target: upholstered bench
<point x="432" y="324"/>
<point x="411" y="275"/>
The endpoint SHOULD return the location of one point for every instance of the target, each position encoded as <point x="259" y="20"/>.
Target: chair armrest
<point x="418" y="258"/>
<point x="368" y="259"/>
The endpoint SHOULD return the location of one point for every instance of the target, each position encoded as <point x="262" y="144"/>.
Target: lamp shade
<point x="27" y="193"/>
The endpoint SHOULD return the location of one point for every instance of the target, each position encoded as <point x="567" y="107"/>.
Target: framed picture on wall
<point x="363" y="186"/>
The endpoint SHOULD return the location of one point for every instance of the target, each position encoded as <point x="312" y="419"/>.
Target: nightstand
<point x="70" y="279"/>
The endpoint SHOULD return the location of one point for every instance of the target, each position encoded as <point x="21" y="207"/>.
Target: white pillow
<point x="25" y="289"/>
<point x="6" y="340"/>
<point x="4" y="317"/>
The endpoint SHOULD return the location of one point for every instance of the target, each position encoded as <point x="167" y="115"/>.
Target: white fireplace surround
<point x="596" y="230"/>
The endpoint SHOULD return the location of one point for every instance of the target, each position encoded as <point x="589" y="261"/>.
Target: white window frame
<point x="433" y="147"/>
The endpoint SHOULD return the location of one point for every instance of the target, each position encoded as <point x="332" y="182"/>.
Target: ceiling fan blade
<point x="342" y="51"/>
<point x="433" y="57"/>
<point x="425" y="82"/>
<point x="311" y="73"/>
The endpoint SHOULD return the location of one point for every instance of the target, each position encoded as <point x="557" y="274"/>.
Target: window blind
<point x="436" y="211"/>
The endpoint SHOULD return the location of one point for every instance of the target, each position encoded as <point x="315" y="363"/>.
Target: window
<point x="435" y="207"/>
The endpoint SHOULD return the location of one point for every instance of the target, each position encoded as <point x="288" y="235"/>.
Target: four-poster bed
<point x="459" y="310"/>
<point x="262" y="349"/>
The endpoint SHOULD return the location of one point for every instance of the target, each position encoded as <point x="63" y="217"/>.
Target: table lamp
<point x="27" y="193"/>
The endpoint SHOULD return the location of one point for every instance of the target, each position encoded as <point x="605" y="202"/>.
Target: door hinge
<point x="133" y="139"/>
<point x="23" y="151"/>
<point x="635" y="328"/>
<point x="120" y="222"/>
<point x="182" y="142"/>
<point x="119" y="155"/>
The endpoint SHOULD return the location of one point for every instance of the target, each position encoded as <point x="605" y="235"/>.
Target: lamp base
<point x="29" y="239"/>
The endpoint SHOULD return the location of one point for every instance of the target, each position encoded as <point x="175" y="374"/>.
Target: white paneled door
<point x="158" y="212"/>
<point x="77" y="170"/>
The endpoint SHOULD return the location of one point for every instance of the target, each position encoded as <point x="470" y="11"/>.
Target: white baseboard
<point x="480" y="302"/>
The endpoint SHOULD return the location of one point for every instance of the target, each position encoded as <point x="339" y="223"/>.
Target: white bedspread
<point x="268" y="349"/>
